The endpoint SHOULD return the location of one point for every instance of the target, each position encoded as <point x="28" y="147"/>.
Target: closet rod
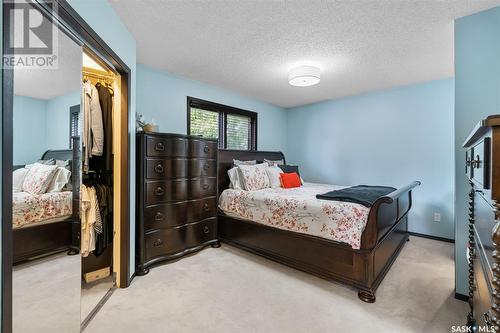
<point x="99" y="76"/>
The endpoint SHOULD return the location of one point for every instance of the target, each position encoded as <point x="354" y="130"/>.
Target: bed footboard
<point x="385" y="214"/>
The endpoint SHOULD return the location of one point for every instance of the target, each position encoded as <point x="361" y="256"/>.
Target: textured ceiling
<point x="248" y="46"/>
<point x="49" y="83"/>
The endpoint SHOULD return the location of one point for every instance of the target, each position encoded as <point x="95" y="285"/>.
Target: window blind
<point x="74" y="124"/>
<point x="238" y="132"/>
<point x="204" y="123"/>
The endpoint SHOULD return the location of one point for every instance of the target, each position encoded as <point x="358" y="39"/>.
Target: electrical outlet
<point x="437" y="217"/>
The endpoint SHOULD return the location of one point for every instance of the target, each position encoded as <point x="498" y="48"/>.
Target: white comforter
<point x="298" y="210"/>
<point x="28" y="209"/>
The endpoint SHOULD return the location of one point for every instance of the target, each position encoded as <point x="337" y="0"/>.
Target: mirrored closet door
<point x="46" y="184"/>
<point x="70" y="171"/>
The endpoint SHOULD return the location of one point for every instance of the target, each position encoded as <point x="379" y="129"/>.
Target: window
<point x="74" y="123"/>
<point x="235" y="128"/>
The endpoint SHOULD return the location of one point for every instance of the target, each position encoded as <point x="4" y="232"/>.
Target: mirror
<point x="46" y="182"/>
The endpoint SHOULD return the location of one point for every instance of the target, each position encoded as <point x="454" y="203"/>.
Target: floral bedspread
<point x="298" y="210"/>
<point x="29" y="209"/>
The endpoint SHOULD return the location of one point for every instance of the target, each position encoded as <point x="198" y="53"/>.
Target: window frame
<point x="73" y="110"/>
<point x="223" y="111"/>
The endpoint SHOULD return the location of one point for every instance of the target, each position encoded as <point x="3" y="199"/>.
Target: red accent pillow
<point x="290" y="180"/>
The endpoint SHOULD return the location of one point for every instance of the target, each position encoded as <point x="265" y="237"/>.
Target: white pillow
<point x="234" y="177"/>
<point x="254" y="176"/>
<point x="273" y="172"/>
<point x="60" y="179"/>
<point x="274" y="163"/>
<point x="249" y="162"/>
<point x="18" y="177"/>
<point x="38" y="178"/>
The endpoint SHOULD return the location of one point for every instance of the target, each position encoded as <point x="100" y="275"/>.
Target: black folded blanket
<point x="362" y="194"/>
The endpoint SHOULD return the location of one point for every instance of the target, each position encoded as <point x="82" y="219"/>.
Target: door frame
<point x="70" y="20"/>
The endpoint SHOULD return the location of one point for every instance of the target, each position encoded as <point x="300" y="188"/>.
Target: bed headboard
<point x="62" y="154"/>
<point x="226" y="157"/>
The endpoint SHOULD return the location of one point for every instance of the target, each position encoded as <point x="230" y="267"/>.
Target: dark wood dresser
<point x="482" y="167"/>
<point x="176" y="197"/>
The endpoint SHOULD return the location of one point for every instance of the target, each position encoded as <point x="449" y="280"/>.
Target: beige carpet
<point x="228" y="290"/>
<point x="46" y="295"/>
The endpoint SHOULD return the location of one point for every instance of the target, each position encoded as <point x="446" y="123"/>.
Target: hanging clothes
<point x="89" y="213"/>
<point x="105" y="198"/>
<point x="93" y="133"/>
<point x="106" y="103"/>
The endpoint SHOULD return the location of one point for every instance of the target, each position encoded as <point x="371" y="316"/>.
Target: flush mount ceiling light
<point x="304" y="76"/>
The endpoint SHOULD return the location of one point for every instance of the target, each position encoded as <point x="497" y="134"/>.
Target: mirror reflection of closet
<point x="46" y="181"/>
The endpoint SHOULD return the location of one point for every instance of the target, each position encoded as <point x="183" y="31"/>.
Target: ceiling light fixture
<point x="304" y="76"/>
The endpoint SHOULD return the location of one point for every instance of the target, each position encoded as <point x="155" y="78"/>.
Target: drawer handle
<point x="159" y="168"/>
<point x="206" y="230"/>
<point x="205" y="186"/>
<point x="206" y="149"/>
<point x="476" y="163"/>
<point x="206" y="207"/>
<point x="159" y="146"/>
<point x="206" y="166"/>
<point x="159" y="217"/>
<point x="157" y="243"/>
<point x="159" y="191"/>
<point x="486" y="316"/>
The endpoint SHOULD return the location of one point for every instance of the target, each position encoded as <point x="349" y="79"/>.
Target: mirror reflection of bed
<point x="46" y="159"/>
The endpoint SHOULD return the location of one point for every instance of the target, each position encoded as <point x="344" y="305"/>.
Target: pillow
<point x="64" y="163"/>
<point x="275" y="162"/>
<point x="46" y="162"/>
<point x="290" y="169"/>
<point x="18" y="177"/>
<point x="234" y="177"/>
<point x="59" y="180"/>
<point x="254" y="176"/>
<point x="273" y="172"/>
<point x="238" y="162"/>
<point x="290" y="180"/>
<point x="38" y="178"/>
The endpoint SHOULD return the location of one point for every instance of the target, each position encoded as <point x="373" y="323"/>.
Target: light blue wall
<point x="40" y="125"/>
<point x="390" y="137"/>
<point x="29" y="129"/>
<point x="57" y="124"/>
<point x="477" y="95"/>
<point x="162" y="96"/>
<point x="103" y="19"/>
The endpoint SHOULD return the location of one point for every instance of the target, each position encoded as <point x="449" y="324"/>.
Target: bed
<point x="357" y="250"/>
<point x="47" y="223"/>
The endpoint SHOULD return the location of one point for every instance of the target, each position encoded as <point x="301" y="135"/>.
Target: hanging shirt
<point x="93" y="133"/>
<point x="106" y="102"/>
<point x="89" y="213"/>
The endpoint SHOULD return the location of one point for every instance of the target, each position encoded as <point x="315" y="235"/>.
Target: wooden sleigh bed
<point x="384" y="236"/>
<point x="32" y="242"/>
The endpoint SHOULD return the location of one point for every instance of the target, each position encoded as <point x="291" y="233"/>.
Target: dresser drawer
<point x="202" y="148"/>
<point x="179" y="189"/>
<point x="483" y="227"/>
<point x="479" y="157"/>
<point x="156" y="146"/>
<point x="201" y="232"/>
<point x="174" y="214"/>
<point x="164" y="242"/>
<point x="180" y="168"/>
<point x="482" y="300"/>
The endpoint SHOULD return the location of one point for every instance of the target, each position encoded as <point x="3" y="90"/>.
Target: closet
<point x="100" y="190"/>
